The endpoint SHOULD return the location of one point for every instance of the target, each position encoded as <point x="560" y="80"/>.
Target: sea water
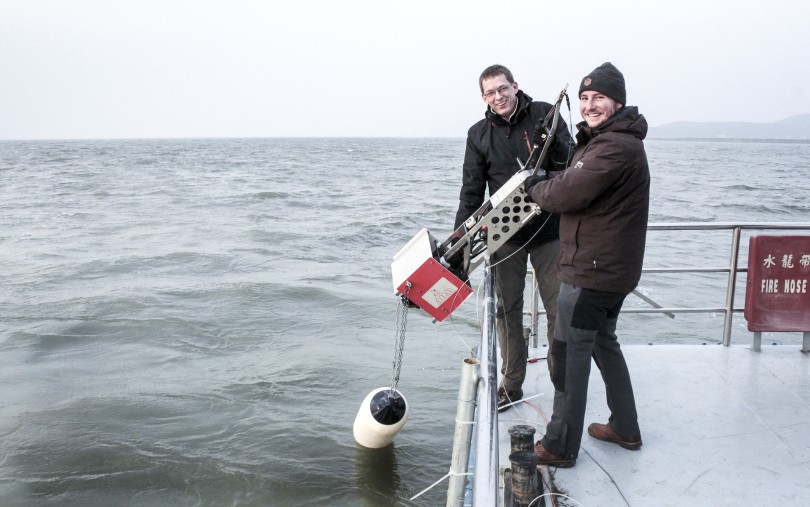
<point x="195" y="322"/>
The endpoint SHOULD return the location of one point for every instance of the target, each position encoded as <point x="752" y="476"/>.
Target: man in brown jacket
<point x="603" y="202"/>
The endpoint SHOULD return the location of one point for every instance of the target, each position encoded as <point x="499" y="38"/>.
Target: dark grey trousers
<point x="585" y="328"/>
<point x="510" y="281"/>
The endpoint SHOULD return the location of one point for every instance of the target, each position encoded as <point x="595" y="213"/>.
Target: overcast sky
<point x="250" y="68"/>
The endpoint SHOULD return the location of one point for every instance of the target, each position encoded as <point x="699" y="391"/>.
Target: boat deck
<point x="720" y="426"/>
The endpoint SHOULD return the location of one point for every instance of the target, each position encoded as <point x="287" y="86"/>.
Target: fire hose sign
<point x="777" y="294"/>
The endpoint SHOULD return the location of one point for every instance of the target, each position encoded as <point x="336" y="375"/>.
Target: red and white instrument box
<point x="433" y="288"/>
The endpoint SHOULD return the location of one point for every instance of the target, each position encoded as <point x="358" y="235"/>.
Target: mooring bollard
<point x="526" y="485"/>
<point x="522" y="438"/>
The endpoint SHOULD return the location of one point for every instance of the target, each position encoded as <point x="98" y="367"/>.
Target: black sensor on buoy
<point x="381" y="416"/>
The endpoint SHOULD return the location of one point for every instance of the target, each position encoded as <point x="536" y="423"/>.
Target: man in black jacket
<point x="494" y="146"/>
<point x="603" y="200"/>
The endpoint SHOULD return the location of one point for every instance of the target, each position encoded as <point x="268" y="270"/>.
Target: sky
<point x="90" y="69"/>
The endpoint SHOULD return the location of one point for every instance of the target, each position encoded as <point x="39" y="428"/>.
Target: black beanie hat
<point x="605" y="79"/>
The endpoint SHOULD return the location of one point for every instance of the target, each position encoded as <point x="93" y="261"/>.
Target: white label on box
<point x="440" y="292"/>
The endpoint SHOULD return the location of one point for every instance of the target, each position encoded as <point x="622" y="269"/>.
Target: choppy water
<point x="195" y="322"/>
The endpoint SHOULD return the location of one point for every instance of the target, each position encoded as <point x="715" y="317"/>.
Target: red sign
<point x="777" y="295"/>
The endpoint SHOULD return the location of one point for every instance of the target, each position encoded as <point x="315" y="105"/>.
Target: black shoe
<point x="507" y="398"/>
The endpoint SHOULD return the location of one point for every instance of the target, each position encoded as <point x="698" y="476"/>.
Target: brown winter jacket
<point x="603" y="200"/>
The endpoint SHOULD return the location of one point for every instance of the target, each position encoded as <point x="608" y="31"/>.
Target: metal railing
<point x="485" y="485"/>
<point x="732" y="269"/>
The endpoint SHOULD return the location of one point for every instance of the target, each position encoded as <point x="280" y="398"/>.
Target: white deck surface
<point x="721" y="426"/>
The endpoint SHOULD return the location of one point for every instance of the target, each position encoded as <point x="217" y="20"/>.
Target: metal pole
<point x="732" y="286"/>
<point x="485" y="486"/>
<point x="465" y="413"/>
<point x="535" y="312"/>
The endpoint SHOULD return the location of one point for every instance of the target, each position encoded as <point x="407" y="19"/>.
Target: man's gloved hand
<point x="539" y="133"/>
<point x="456" y="265"/>
<point x="531" y="181"/>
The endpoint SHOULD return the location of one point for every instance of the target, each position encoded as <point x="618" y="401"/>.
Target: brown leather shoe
<point x="546" y="458"/>
<point x="606" y="433"/>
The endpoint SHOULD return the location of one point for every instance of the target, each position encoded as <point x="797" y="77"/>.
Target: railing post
<point x="732" y="285"/>
<point x="465" y="415"/>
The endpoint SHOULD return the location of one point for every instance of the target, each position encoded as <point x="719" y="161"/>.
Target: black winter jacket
<point x="603" y="199"/>
<point x="491" y="158"/>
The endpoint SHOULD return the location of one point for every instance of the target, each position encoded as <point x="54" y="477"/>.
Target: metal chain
<point x="399" y="336"/>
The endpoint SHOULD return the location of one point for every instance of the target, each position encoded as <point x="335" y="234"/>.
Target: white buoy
<point x="381" y="416"/>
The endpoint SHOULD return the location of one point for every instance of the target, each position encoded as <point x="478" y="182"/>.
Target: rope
<point x="552" y="495"/>
<point x="448" y="474"/>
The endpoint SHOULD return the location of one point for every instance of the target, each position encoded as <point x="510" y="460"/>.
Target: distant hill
<point x="794" y="127"/>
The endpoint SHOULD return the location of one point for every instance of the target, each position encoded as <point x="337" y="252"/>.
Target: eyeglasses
<point x="501" y="90"/>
